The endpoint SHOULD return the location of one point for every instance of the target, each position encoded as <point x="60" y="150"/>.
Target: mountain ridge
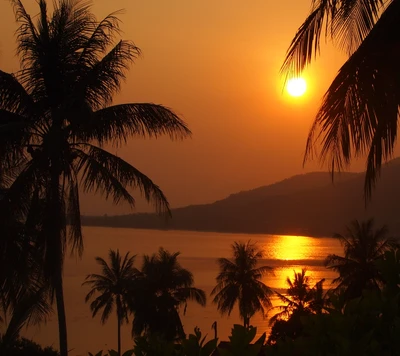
<point x="304" y="204"/>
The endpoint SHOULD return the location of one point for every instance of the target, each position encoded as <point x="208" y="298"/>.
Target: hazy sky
<point x="216" y="63"/>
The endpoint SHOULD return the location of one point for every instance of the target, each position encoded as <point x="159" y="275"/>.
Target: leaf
<point x="128" y="353"/>
<point x="209" y="347"/>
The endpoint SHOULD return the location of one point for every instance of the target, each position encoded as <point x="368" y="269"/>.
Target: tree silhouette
<point x="362" y="246"/>
<point x="24" y="293"/>
<point x="359" y="111"/>
<point x="55" y="117"/>
<point x="301" y="298"/>
<point x="115" y="287"/>
<point x="240" y="281"/>
<point x="163" y="287"/>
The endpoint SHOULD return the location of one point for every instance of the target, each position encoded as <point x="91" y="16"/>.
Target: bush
<point x="25" y="347"/>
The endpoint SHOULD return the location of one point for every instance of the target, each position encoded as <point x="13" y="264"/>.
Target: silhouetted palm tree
<point x="55" y="110"/>
<point x="363" y="246"/>
<point x="240" y="281"/>
<point x="164" y="287"/>
<point x="301" y="299"/>
<point x="359" y="112"/>
<point x="114" y="286"/>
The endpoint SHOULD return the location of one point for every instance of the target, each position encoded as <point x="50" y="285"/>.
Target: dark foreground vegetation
<point x="358" y="314"/>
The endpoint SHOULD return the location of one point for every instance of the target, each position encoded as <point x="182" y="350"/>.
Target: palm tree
<point x="363" y="247"/>
<point x="359" y="112"/>
<point x="301" y="299"/>
<point x="114" y="286"/>
<point x="240" y="281"/>
<point x="55" y="116"/>
<point x="164" y="286"/>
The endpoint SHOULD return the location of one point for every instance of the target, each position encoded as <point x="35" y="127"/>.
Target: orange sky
<point x="217" y="64"/>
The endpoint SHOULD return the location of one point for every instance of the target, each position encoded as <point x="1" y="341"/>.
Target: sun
<point x="296" y="87"/>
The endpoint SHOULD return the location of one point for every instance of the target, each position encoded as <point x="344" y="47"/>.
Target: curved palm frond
<point x="109" y="174"/>
<point x="104" y="78"/>
<point x="102" y="36"/>
<point x="31" y="308"/>
<point x="360" y="110"/>
<point x="346" y="22"/>
<point x="117" y="123"/>
<point x="74" y="218"/>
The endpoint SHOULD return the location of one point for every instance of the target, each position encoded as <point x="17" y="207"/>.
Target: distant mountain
<point x="307" y="204"/>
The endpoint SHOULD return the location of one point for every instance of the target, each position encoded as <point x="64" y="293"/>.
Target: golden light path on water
<point x="199" y="254"/>
<point x="291" y="254"/>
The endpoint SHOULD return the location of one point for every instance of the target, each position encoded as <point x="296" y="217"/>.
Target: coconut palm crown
<point x="114" y="287"/>
<point x="363" y="246"/>
<point x="240" y="281"/>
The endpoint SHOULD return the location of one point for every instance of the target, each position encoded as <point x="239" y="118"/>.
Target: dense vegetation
<point x="359" y="314"/>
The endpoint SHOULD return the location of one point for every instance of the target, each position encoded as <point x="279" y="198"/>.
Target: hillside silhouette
<point x="307" y="204"/>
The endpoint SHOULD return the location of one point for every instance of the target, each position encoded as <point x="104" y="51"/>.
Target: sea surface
<point x="199" y="252"/>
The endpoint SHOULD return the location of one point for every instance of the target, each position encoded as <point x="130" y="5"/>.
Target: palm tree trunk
<point x="119" y="337"/>
<point x="62" y="322"/>
<point x="119" y="326"/>
<point x="56" y="226"/>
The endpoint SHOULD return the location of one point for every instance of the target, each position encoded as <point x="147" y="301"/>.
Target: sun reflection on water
<point x="290" y="248"/>
<point x="289" y="254"/>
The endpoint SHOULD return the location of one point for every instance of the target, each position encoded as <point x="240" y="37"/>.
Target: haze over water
<point x="199" y="252"/>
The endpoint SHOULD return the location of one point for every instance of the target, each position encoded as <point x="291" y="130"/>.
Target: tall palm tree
<point x="114" y="286"/>
<point x="301" y="298"/>
<point x="55" y="116"/>
<point x="359" y="112"/>
<point x="363" y="247"/>
<point x="164" y="286"/>
<point x="240" y="281"/>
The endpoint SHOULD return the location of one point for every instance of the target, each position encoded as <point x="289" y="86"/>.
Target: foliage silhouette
<point x="115" y="287"/>
<point x="301" y="299"/>
<point x="25" y="347"/>
<point x="359" y="111"/>
<point x="24" y="294"/>
<point x="54" y="118"/>
<point x="162" y="288"/>
<point x="363" y="246"/>
<point x="239" y="281"/>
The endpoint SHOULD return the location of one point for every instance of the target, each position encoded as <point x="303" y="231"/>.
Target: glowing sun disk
<point x="296" y="87"/>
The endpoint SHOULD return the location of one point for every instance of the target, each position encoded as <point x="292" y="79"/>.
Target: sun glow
<point x="296" y="86"/>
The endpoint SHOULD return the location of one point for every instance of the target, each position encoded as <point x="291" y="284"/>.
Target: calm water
<point x="199" y="251"/>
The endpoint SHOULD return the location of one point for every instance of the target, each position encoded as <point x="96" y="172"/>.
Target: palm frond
<point x="105" y="77"/>
<point x="360" y="109"/>
<point x="353" y="21"/>
<point x="13" y="96"/>
<point x="346" y="22"/>
<point x="74" y="219"/>
<point x="115" y="124"/>
<point x="191" y="293"/>
<point x="306" y="42"/>
<point x="226" y="298"/>
<point x="109" y="174"/>
<point x="101" y="38"/>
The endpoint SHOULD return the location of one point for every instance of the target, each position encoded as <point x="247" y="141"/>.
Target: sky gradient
<point x="216" y="63"/>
